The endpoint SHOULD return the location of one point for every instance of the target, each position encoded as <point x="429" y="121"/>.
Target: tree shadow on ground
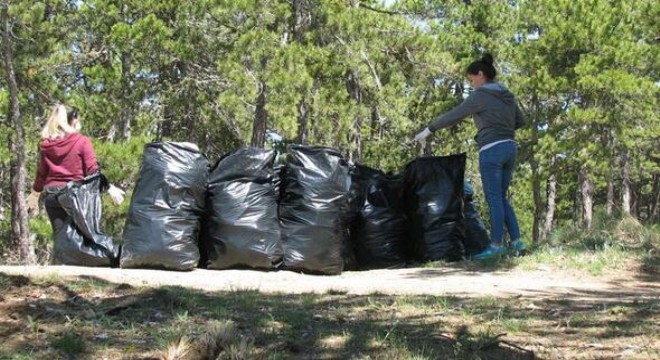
<point x="82" y="317"/>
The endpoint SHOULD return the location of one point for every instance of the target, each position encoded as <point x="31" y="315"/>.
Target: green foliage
<point x="340" y="74"/>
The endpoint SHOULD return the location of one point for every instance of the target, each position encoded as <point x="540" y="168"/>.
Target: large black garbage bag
<point x="378" y="231"/>
<point x="434" y="205"/>
<point x="163" y="221"/>
<point x="476" y="236"/>
<point x="82" y="242"/>
<point x="313" y="209"/>
<point x="243" y="228"/>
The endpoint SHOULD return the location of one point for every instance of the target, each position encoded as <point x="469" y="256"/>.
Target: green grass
<point x="276" y="326"/>
<point x="68" y="343"/>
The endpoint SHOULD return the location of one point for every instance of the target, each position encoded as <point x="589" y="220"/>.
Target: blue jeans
<point x="496" y="165"/>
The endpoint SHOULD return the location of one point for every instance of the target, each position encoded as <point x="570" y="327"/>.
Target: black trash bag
<point x="433" y="197"/>
<point x="243" y="228"/>
<point x="81" y="242"/>
<point x="476" y="236"/>
<point x="313" y="209"/>
<point x="378" y="231"/>
<point x="163" y="222"/>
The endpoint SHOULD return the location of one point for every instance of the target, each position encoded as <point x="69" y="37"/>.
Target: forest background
<point x="360" y="76"/>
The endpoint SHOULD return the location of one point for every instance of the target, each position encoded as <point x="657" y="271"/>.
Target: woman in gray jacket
<point x="496" y="116"/>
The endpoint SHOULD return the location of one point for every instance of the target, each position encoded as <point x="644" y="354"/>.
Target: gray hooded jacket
<point x="494" y="109"/>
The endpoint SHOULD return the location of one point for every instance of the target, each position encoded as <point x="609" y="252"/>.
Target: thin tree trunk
<point x="536" y="193"/>
<point x="609" y="207"/>
<point x="626" y="195"/>
<point x="354" y="89"/>
<point x="126" y="106"/>
<point x="587" y="197"/>
<point x="607" y="144"/>
<point x="20" y="232"/>
<point x="260" y="118"/>
<point x="536" y="177"/>
<point x="550" y="209"/>
<point x="655" y="203"/>
<point x="303" y="122"/>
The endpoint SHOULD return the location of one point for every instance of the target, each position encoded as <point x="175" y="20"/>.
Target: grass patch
<point x="68" y="343"/>
<point x="172" y="322"/>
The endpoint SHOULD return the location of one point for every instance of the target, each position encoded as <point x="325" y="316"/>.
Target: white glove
<point x="33" y="201"/>
<point x="423" y="135"/>
<point x="116" y="194"/>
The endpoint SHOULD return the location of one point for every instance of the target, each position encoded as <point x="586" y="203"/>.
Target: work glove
<point x="116" y="194"/>
<point x="423" y="135"/>
<point x="33" y="201"/>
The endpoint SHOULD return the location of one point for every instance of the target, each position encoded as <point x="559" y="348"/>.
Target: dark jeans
<point x="496" y="165"/>
<point x="56" y="214"/>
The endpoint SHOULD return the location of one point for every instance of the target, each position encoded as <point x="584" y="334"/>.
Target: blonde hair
<point x="57" y="124"/>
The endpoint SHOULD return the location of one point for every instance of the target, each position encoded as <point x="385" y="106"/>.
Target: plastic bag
<point x="313" y="209"/>
<point x="379" y="229"/>
<point x="433" y="199"/>
<point x="243" y="228"/>
<point x="82" y="242"/>
<point x="163" y="222"/>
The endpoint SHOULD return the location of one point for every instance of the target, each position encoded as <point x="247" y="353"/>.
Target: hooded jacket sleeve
<point x="473" y="104"/>
<point x="520" y="119"/>
<point x="90" y="164"/>
<point x="42" y="173"/>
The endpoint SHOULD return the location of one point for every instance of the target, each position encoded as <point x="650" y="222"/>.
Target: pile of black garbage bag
<point x="304" y="210"/>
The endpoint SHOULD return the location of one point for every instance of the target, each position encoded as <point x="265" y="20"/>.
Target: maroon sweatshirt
<point x="64" y="159"/>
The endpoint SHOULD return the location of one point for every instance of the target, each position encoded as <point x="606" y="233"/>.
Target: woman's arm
<point x="90" y="164"/>
<point x="42" y="173"/>
<point x="471" y="105"/>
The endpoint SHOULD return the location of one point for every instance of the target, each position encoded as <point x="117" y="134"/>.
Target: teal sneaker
<point x="490" y="252"/>
<point x="518" y="248"/>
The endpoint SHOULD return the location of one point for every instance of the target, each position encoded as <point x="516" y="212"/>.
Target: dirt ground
<point x="543" y="282"/>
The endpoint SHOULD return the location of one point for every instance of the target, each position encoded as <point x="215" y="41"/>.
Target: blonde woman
<point x="66" y="155"/>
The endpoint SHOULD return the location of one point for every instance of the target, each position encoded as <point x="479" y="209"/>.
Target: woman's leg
<point x="510" y="218"/>
<point x="491" y="169"/>
<point x="56" y="214"/>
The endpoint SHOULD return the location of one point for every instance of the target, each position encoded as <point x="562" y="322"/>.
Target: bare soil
<point x="544" y="282"/>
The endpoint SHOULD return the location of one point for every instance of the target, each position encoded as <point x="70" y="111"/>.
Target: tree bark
<point x="626" y="195"/>
<point x="655" y="204"/>
<point x="536" y="176"/>
<point x="550" y="209"/>
<point x="260" y="118"/>
<point x="355" y="92"/>
<point x="303" y="122"/>
<point x="587" y="197"/>
<point x="20" y="232"/>
<point x="126" y="106"/>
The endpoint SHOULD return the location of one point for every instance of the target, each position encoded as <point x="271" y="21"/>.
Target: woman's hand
<point x="116" y="194"/>
<point x="423" y="135"/>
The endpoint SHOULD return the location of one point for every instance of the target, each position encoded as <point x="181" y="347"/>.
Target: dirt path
<point x="542" y="283"/>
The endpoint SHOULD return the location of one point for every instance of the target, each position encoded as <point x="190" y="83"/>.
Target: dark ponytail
<point x="71" y="113"/>
<point x="485" y="65"/>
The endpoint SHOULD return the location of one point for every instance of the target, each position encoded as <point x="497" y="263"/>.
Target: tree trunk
<point x="536" y="193"/>
<point x="20" y="232"/>
<point x="126" y="111"/>
<point x="536" y="175"/>
<point x="303" y="122"/>
<point x="609" y="207"/>
<point x="354" y="89"/>
<point x="260" y="119"/>
<point x="607" y="140"/>
<point x="550" y="209"/>
<point x="626" y="195"/>
<point x="655" y="205"/>
<point x="587" y="197"/>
